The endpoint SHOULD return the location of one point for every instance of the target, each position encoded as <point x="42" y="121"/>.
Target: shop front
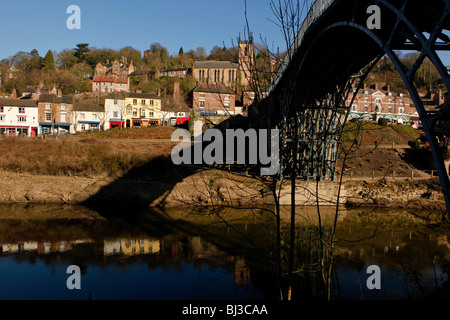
<point x="14" y="131"/>
<point x="116" y="124"/>
<point x="55" y="128"/>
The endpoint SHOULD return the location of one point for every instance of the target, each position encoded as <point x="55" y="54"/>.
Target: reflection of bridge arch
<point x="336" y="44"/>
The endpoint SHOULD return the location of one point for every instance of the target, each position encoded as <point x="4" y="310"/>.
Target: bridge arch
<point x="311" y="76"/>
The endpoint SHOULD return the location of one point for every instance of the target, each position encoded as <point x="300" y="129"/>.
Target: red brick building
<point x="213" y="99"/>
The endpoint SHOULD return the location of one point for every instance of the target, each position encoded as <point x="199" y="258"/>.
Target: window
<point x="201" y="104"/>
<point x="48" y="106"/>
<point x="21" y="110"/>
<point x="142" y="112"/>
<point x="227" y="97"/>
<point x="389" y="109"/>
<point x="201" y="95"/>
<point x="390" y="100"/>
<point x="82" y="116"/>
<point x="354" y="108"/>
<point x="401" y="102"/>
<point x="115" y="101"/>
<point x="143" y="102"/>
<point x="135" y="112"/>
<point x="2" y="118"/>
<point x="401" y="110"/>
<point x="83" y="127"/>
<point x="129" y="109"/>
<point x="115" y="114"/>
<point x="150" y="113"/>
<point x="2" y="109"/>
<point x="226" y="104"/>
<point x="63" y="106"/>
<point x="151" y="102"/>
<point x="366" y="108"/>
<point x="48" y="116"/>
<point x="63" y="117"/>
<point x="134" y="102"/>
<point x="94" y="116"/>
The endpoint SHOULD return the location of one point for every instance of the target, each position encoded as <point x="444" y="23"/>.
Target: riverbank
<point x="203" y="188"/>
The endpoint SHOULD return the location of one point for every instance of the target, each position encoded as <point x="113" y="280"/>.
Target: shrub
<point x="383" y="122"/>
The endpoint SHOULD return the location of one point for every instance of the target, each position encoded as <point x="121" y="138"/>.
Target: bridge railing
<point x="318" y="7"/>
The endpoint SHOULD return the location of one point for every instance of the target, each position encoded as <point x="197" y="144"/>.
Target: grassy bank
<point x="66" y="156"/>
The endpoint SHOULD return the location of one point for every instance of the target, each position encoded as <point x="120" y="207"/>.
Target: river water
<point x="228" y="254"/>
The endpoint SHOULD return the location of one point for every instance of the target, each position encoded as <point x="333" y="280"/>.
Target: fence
<point x="391" y="174"/>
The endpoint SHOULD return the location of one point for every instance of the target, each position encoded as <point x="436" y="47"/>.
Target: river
<point x="150" y="254"/>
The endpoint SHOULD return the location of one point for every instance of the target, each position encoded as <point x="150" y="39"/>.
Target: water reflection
<point x="231" y="254"/>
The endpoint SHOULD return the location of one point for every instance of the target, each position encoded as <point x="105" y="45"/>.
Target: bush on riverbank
<point x="65" y="157"/>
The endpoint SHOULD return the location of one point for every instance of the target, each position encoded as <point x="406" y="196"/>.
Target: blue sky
<point x="29" y="24"/>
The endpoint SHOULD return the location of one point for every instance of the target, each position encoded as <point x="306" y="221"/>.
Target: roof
<point x="182" y="107"/>
<point x="18" y="102"/>
<point x="110" y="79"/>
<point x="371" y="91"/>
<point x="88" y="107"/>
<point x="176" y="69"/>
<point x="213" y="88"/>
<point x="143" y="96"/>
<point x="30" y="89"/>
<point x="53" y="98"/>
<point x="215" y="64"/>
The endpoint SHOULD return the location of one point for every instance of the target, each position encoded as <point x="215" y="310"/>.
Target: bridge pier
<point x="305" y="194"/>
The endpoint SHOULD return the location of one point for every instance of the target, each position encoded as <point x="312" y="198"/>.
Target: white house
<point x="86" y="117"/>
<point x="114" y="113"/>
<point x="19" y="117"/>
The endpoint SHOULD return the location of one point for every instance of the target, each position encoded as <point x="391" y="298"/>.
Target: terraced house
<point x="19" y="117"/>
<point x="54" y="114"/>
<point x="88" y="117"/>
<point x="142" y="110"/>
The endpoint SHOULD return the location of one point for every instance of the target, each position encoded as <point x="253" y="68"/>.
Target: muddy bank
<point x="203" y="188"/>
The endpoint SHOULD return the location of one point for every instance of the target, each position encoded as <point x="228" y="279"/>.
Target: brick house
<point x="55" y="114"/>
<point x="177" y="72"/>
<point x="119" y="68"/>
<point x="213" y="99"/>
<point x="110" y="84"/>
<point x="380" y="102"/>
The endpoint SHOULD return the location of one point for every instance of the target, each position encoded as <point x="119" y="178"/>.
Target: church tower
<point x="246" y="60"/>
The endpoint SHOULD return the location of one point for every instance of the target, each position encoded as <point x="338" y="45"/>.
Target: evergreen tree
<point x="49" y="61"/>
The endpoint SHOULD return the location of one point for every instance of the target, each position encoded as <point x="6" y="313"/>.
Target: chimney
<point x="138" y="91"/>
<point x="176" y="92"/>
<point x="38" y="89"/>
<point x="59" y="93"/>
<point x="377" y="86"/>
<point x="13" y="94"/>
<point x="159" y="92"/>
<point x="365" y="86"/>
